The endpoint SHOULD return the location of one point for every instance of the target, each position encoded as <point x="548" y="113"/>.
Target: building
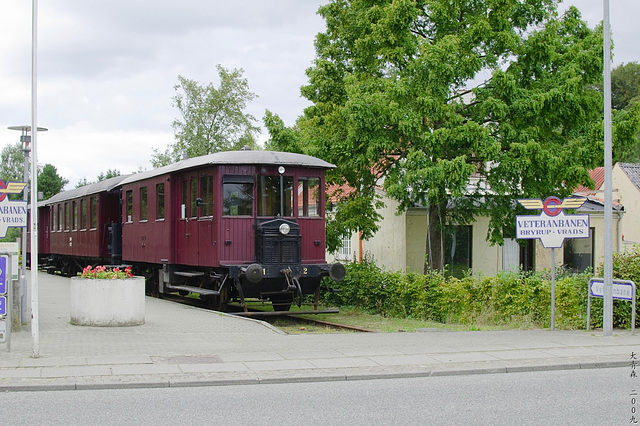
<point x="400" y="243"/>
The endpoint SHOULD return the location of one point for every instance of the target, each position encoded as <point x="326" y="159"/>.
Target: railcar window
<point x="309" y="197"/>
<point x="93" y="212"/>
<point x="67" y="217"/>
<point x="143" y="203"/>
<point x="194" y="195"/>
<point x="270" y="191"/>
<point x="129" y="197"/>
<point x="54" y="218"/>
<point x="206" y="192"/>
<point x="74" y="215"/>
<point x="160" y="201"/>
<point x="237" y="199"/>
<point x="184" y="199"/>
<point x="60" y="217"/>
<point x="83" y="214"/>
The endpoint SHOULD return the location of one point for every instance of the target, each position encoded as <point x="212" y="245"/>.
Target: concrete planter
<point x="107" y="302"/>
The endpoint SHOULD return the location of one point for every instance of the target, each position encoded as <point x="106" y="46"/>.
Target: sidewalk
<point x="184" y="346"/>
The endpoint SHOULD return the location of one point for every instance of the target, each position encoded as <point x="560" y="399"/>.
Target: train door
<point x="188" y="244"/>
<point x="236" y="236"/>
<point x="206" y="229"/>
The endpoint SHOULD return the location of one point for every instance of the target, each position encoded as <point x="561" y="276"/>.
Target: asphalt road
<point x="585" y="397"/>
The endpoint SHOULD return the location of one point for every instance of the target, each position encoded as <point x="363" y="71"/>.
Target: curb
<point x="276" y="377"/>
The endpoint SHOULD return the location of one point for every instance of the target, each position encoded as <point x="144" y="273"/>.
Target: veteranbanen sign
<point x="12" y="213"/>
<point x="552" y="226"/>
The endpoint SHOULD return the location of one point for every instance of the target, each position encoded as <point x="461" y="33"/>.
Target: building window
<point x="457" y="250"/>
<point x="143" y="204"/>
<point x="129" y="198"/>
<point x="93" y="212"/>
<point x="578" y="253"/>
<point x="275" y="195"/>
<point x="309" y="197"/>
<point x="83" y="214"/>
<point x="344" y="251"/>
<point x="160" y="201"/>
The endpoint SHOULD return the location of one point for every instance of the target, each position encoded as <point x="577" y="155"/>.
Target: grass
<point x="357" y="318"/>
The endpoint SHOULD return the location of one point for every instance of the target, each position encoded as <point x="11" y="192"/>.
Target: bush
<point x="512" y="298"/>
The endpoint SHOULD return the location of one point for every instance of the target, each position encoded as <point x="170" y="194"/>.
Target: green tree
<point x="49" y="182"/>
<point x="12" y="163"/>
<point x="212" y="119"/>
<point x="102" y="176"/>
<point x="625" y="85"/>
<point x="443" y="100"/>
<point x="625" y="97"/>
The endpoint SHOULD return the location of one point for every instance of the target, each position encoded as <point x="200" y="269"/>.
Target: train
<point x="228" y="227"/>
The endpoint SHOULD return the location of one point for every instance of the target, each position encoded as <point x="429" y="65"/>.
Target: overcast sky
<point x="106" y="70"/>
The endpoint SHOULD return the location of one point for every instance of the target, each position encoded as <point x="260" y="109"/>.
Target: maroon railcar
<point x="241" y="224"/>
<point x="81" y="227"/>
<point x="230" y="225"/>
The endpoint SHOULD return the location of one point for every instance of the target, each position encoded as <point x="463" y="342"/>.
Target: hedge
<point x="512" y="298"/>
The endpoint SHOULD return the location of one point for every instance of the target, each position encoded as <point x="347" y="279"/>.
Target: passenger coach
<point x="227" y="226"/>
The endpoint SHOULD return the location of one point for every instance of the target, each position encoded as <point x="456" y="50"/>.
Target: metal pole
<point x="553" y="289"/>
<point x="35" y="334"/>
<point x="607" y="315"/>
<point x="24" y="315"/>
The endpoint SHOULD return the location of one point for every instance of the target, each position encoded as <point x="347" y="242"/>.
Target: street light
<point x="25" y="140"/>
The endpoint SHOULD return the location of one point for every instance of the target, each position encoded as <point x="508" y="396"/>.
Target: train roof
<point x="273" y="158"/>
<point x="93" y="188"/>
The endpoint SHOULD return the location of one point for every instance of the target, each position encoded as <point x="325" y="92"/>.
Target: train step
<point x="192" y="289"/>
<point x="188" y="274"/>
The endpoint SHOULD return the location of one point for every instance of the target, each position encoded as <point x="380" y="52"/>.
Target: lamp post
<point x="607" y="310"/>
<point x="25" y="140"/>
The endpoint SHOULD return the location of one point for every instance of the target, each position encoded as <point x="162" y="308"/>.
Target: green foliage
<point x="512" y="298"/>
<point x="625" y="85"/>
<point x="426" y="94"/>
<point x="212" y="117"/>
<point x="49" y="182"/>
<point x="626" y="266"/>
<point x="12" y="163"/>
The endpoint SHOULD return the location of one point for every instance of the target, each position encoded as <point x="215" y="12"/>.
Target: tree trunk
<point x="435" y="239"/>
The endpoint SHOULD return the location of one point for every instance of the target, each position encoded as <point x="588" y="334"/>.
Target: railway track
<point x="276" y="318"/>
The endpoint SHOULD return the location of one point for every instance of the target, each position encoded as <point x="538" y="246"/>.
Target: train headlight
<point x="284" y="228"/>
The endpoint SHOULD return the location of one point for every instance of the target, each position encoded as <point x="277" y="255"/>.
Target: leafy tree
<point x="102" y="176"/>
<point x="625" y="85"/>
<point x="426" y="95"/>
<point x="49" y="182"/>
<point x="625" y="100"/>
<point x="212" y="118"/>
<point x="282" y="138"/>
<point x="12" y="163"/>
<point x="110" y="173"/>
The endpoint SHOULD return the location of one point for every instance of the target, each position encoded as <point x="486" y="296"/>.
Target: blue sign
<point x="3" y="275"/>
<point x="621" y="289"/>
<point x="3" y="305"/>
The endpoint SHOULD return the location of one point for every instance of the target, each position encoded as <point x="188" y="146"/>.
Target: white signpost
<point x="551" y="227"/>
